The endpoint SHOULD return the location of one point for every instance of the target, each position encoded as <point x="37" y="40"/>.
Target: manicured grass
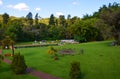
<point x="99" y="61"/>
<point x="6" y="73"/>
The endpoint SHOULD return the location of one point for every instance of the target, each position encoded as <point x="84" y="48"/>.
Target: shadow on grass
<point x="4" y="69"/>
<point x="82" y="75"/>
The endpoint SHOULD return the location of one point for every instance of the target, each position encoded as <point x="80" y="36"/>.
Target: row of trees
<point x="102" y="25"/>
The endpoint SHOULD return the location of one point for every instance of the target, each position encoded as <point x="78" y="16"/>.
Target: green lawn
<point x="6" y="73"/>
<point x="99" y="61"/>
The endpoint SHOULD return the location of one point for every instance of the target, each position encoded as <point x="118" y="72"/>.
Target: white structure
<point x="69" y="41"/>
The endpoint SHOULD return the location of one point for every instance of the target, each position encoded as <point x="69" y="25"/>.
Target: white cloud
<point x="37" y="9"/>
<point x="19" y="6"/>
<point x="75" y="3"/>
<point x="10" y="6"/>
<point x="1" y="2"/>
<point x="59" y="13"/>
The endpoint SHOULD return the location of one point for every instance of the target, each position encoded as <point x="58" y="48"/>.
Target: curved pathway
<point x="33" y="72"/>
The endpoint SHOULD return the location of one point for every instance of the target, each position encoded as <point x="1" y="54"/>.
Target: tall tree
<point x="5" y="17"/>
<point x="69" y="20"/>
<point x="29" y="17"/>
<point x="52" y="20"/>
<point x="111" y="16"/>
<point x="36" y="19"/>
<point x="69" y="17"/>
<point x="62" y="21"/>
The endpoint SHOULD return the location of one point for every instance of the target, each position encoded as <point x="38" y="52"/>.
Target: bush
<point x="80" y="39"/>
<point x="53" y="52"/>
<point x="18" y="65"/>
<point x="75" y="70"/>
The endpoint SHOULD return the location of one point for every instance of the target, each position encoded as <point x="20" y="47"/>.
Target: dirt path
<point x="33" y="72"/>
<point x="42" y="75"/>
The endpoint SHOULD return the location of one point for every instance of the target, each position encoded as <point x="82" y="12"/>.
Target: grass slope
<point x="99" y="61"/>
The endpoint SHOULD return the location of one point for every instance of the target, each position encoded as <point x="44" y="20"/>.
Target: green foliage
<point x="75" y="72"/>
<point x="80" y="38"/>
<point x="111" y="16"/>
<point x="95" y="63"/>
<point x="62" y="21"/>
<point x="52" y="20"/>
<point x="18" y="65"/>
<point x="102" y="24"/>
<point x="83" y="30"/>
<point x="7" y="42"/>
<point x="53" y="52"/>
<point x="104" y="29"/>
<point x="36" y="19"/>
<point x="5" y="17"/>
<point x="29" y="18"/>
<point x="14" y="30"/>
<point x="1" y="58"/>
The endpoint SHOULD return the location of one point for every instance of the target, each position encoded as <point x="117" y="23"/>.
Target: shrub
<point x="18" y="65"/>
<point x="53" y="52"/>
<point x="75" y="70"/>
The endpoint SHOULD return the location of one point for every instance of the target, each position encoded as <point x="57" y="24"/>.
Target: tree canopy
<point x="101" y="25"/>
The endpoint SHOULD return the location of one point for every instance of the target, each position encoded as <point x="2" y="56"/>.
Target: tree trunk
<point x="12" y="49"/>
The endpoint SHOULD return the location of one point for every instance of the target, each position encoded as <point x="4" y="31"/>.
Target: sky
<point x="45" y="8"/>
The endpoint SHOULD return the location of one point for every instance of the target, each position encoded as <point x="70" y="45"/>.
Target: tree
<point x="14" y="31"/>
<point x="87" y="17"/>
<point x="62" y="21"/>
<point x="52" y="20"/>
<point x="29" y="17"/>
<point x="41" y="32"/>
<point x="104" y="29"/>
<point x="74" y="19"/>
<point x="111" y="16"/>
<point x="68" y="20"/>
<point x="36" y="19"/>
<point x="18" y="65"/>
<point x="83" y="30"/>
<point x="54" y="33"/>
<point x="75" y="72"/>
<point x="6" y="42"/>
<point x="5" y="17"/>
<point x="69" y="17"/>
<point x="1" y="31"/>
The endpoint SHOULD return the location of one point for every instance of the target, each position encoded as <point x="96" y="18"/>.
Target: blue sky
<point x="45" y="8"/>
